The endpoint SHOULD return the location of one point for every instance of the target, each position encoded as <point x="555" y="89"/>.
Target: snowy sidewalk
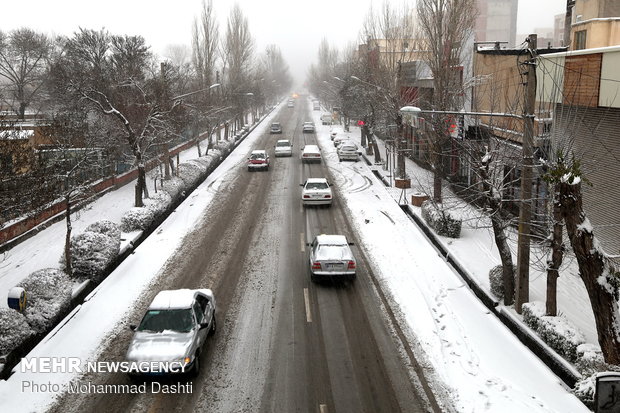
<point x="477" y="252"/>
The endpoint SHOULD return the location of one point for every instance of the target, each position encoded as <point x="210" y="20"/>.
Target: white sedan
<point x="316" y="191"/>
<point x="311" y="153"/>
<point x="284" y="147"/>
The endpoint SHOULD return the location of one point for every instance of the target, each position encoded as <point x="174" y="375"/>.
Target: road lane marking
<point x="302" y="237"/>
<point x="307" y="302"/>
<point x="323" y="408"/>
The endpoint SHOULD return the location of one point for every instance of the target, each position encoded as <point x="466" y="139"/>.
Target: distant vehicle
<point x="311" y="153"/>
<point x="275" y="128"/>
<point x="174" y="328"/>
<point x="258" y="160"/>
<point x="347" y="151"/>
<point x="316" y="191"/>
<point x="316" y="105"/>
<point x="290" y="104"/>
<point x="331" y="258"/>
<point x="326" y="119"/>
<point x="339" y="139"/>
<point x="284" y="147"/>
<point x="308" y="127"/>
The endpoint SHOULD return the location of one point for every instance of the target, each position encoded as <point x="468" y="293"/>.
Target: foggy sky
<point x="296" y="26"/>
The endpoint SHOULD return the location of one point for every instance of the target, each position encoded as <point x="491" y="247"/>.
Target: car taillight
<point x="306" y="196"/>
<point x="316" y="265"/>
<point x="351" y="265"/>
<point x="327" y="196"/>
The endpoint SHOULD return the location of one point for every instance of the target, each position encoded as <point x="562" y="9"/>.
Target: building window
<point x="580" y="39"/>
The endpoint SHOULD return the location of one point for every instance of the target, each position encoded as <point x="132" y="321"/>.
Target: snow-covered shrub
<point x="556" y="331"/>
<point x="496" y="280"/>
<point x="191" y="172"/>
<point x="441" y="220"/>
<point x="95" y="249"/>
<point x="48" y="297"/>
<point x="225" y="147"/>
<point x="140" y="218"/>
<point x="173" y="186"/>
<point x="584" y="390"/>
<point x="105" y="227"/>
<point x="137" y="219"/>
<point x="14" y="330"/>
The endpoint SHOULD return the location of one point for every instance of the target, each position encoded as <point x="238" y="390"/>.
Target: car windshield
<point x="257" y="156"/>
<point x="316" y="185"/>
<point x="283" y="144"/>
<point x="159" y="320"/>
<point x="275" y="125"/>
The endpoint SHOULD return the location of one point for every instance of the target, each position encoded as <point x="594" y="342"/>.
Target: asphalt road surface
<point x="284" y="344"/>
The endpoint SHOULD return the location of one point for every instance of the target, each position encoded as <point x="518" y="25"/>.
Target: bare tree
<point x="444" y="25"/>
<point x="599" y="273"/>
<point x="72" y="161"/>
<point x="109" y="74"/>
<point x="23" y="65"/>
<point x="239" y="50"/>
<point x="205" y="43"/>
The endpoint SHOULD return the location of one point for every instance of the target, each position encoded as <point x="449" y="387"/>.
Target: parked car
<point x="174" y="328"/>
<point x="275" y="128"/>
<point x="311" y="153"/>
<point x="341" y="138"/>
<point x="347" y="151"/>
<point x="308" y="127"/>
<point x="326" y="119"/>
<point x="290" y="104"/>
<point x="331" y="258"/>
<point x="284" y="147"/>
<point x="316" y="191"/>
<point x="259" y="159"/>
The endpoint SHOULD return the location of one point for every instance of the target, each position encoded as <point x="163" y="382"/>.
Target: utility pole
<point x="525" y="210"/>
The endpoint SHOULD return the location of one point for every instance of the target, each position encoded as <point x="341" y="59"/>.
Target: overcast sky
<point x="295" y="26"/>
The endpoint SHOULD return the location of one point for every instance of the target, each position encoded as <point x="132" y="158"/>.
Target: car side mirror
<point x="204" y="325"/>
<point x="133" y="327"/>
<point x="350" y="243"/>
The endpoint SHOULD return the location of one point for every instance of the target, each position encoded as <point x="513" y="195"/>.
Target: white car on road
<point x="316" y="191"/>
<point x="311" y="153"/>
<point x="284" y="147"/>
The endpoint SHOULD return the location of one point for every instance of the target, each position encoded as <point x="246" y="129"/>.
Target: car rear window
<point x="257" y="156"/>
<point x="283" y="144"/>
<point x="316" y="185"/>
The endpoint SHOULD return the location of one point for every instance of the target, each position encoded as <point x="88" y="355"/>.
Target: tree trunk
<point x="499" y="234"/>
<point x="140" y="186"/>
<point x="68" y="266"/>
<point x="553" y="265"/>
<point x="598" y="274"/>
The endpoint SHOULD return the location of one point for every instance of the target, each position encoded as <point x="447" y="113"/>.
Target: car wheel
<point x="196" y="367"/>
<point x="213" y="326"/>
<point x="314" y="278"/>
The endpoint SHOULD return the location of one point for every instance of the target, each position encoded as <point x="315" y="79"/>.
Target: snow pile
<point x="14" y="330"/>
<point x="496" y="280"/>
<point x="48" y="295"/>
<point x="440" y="220"/>
<point x="557" y="332"/>
<point x="95" y="249"/>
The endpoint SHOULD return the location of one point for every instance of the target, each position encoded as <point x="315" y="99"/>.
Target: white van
<point x="316" y="105"/>
<point x="326" y="119"/>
